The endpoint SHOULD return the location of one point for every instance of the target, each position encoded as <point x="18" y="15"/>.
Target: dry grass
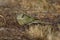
<point x="40" y="9"/>
<point x="46" y="32"/>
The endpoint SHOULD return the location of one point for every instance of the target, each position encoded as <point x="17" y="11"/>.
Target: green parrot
<point x="25" y="19"/>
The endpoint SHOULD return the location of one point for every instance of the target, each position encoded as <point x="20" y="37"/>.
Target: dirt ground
<point x="10" y="29"/>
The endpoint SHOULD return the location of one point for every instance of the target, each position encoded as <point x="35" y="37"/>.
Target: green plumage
<point x="24" y="19"/>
